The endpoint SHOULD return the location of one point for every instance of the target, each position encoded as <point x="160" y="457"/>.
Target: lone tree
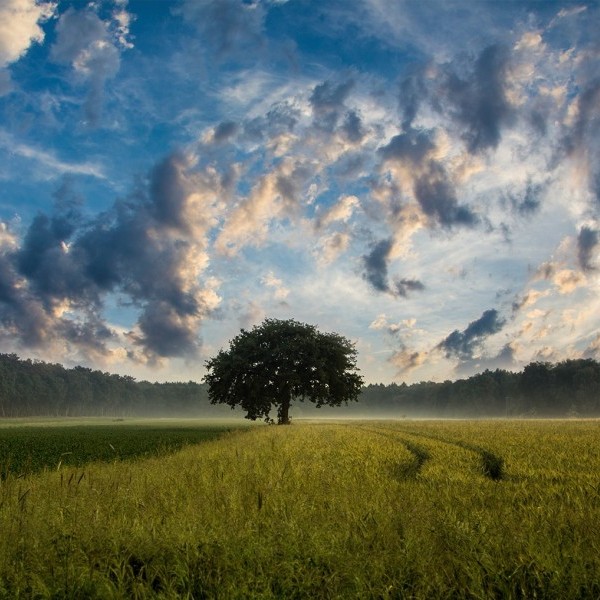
<point x="279" y="361"/>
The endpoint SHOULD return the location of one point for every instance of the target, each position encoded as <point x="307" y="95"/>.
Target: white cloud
<point x="280" y="291"/>
<point x="20" y="27"/>
<point x="341" y="211"/>
<point x="50" y="165"/>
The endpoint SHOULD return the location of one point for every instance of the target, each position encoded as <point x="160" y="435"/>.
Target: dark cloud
<point x="52" y="270"/>
<point x="352" y="127"/>
<point x="413" y="91"/>
<point x="528" y="202"/>
<point x="144" y="249"/>
<point x="165" y="332"/>
<point x="168" y="194"/>
<point x="327" y="102"/>
<point x="327" y="96"/>
<point x="376" y="272"/>
<point x="224" y="131"/>
<point x="404" y="286"/>
<point x="462" y="344"/>
<point x="587" y="241"/>
<point x="281" y="118"/>
<point x="505" y="359"/>
<point x="376" y="265"/>
<point x="478" y="102"/>
<point x="432" y="186"/>
<point x="413" y="146"/>
<point x="437" y="198"/>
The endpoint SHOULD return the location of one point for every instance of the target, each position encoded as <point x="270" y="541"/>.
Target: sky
<point x="422" y="178"/>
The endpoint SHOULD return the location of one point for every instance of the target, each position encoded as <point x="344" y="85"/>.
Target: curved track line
<point x="491" y="464"/>
<point x="408" y="470"/>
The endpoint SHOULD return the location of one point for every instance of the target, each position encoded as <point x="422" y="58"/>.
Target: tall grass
<point x="386" y="510"/>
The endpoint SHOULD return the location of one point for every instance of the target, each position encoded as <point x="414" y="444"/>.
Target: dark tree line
<point x="35" y="388"/>
<point x="568" y="388"/>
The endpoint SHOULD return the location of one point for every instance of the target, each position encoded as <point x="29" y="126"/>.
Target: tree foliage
<point x="281" y="361"/>
<point x="35" y="388"/>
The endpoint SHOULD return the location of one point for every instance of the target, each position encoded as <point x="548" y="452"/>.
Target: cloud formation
<point x="91" y="47"/>
<point x="20" y="27"/>
<point x="326" y="162"/>
<point x="150" y="249"/>
<point x="463" y="344"/>
<point x="412" y="156"/>
<point x="587" y="242"/>
<point x="478" y="102"/>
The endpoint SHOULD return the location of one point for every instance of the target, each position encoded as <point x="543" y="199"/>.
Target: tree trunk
<point x="284" y="410"/>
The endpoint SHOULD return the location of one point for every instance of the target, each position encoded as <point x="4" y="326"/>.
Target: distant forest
<point x="567" y="389"/>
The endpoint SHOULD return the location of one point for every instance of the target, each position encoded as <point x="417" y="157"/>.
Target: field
<point x="28" y="446"/>
<point x="397" y="509"/>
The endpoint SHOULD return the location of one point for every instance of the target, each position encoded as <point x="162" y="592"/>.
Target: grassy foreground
<point x="348" y="510"/>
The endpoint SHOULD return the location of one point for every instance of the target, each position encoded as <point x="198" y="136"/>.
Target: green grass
<point x="30" y="446"/>
<point x="347" y="510"/>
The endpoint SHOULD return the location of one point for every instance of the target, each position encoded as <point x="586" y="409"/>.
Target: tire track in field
<point x="492" y="465"/>
<point x="402" y="471"/>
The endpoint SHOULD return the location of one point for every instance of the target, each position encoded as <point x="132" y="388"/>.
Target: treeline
<point x="569" y="388"/>
<point x="34" y="388"/>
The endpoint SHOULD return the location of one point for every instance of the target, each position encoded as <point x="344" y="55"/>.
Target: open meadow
<point x="354" y="509"/>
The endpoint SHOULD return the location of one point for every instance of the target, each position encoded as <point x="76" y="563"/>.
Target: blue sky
<point x="421" y="177"/>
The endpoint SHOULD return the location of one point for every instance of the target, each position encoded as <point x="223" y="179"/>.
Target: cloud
<point x="341" y="211"/>
<point x="528" y="201"/>
<point x="276" y="194"/>
<point x="567" y="280"/>
<point x="376" y="272"/>
<point x="412" y="157"/>
<point x="49" y="164"/>
<point x="20" y="22"/>
<point x="405" y="360"/>
<point x="229" y="26"/>
<point x="528" y="299"/>
<point x="331" y="246"/>
<point x="327" y="102"/>
<point x="279" y="290"/>
<point x="479" y="102"/>
<point x="91" y="47"/>
<point x="224" y="131"/>
<point x="404" y="286"/>
<point x="463" y="344"/>
<point x="150" y="250"/>
<point x="381" y="323"/>
<point x="587" y="241"/>
<point x="413" y="91"/>
<point x="20" y="27"/>
<point x="582" y="133"/>
<point x="376" y="265"/>
<point x="505" y="359"/>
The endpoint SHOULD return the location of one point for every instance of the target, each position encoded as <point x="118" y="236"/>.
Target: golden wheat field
<point x="355" y="509"/>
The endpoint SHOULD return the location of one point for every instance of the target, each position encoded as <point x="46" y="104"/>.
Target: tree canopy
<point x="280" y="361"/>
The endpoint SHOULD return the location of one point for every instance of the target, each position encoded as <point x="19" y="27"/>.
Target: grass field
<point x="398" y="509"/>
<point x="28" y="446"/>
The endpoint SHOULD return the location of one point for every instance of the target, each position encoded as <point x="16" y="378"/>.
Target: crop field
<point x="52" y="444"/>
<point x="356" y="509"/>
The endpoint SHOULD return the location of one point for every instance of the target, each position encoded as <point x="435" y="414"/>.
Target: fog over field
<point x="421" y="177"/>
